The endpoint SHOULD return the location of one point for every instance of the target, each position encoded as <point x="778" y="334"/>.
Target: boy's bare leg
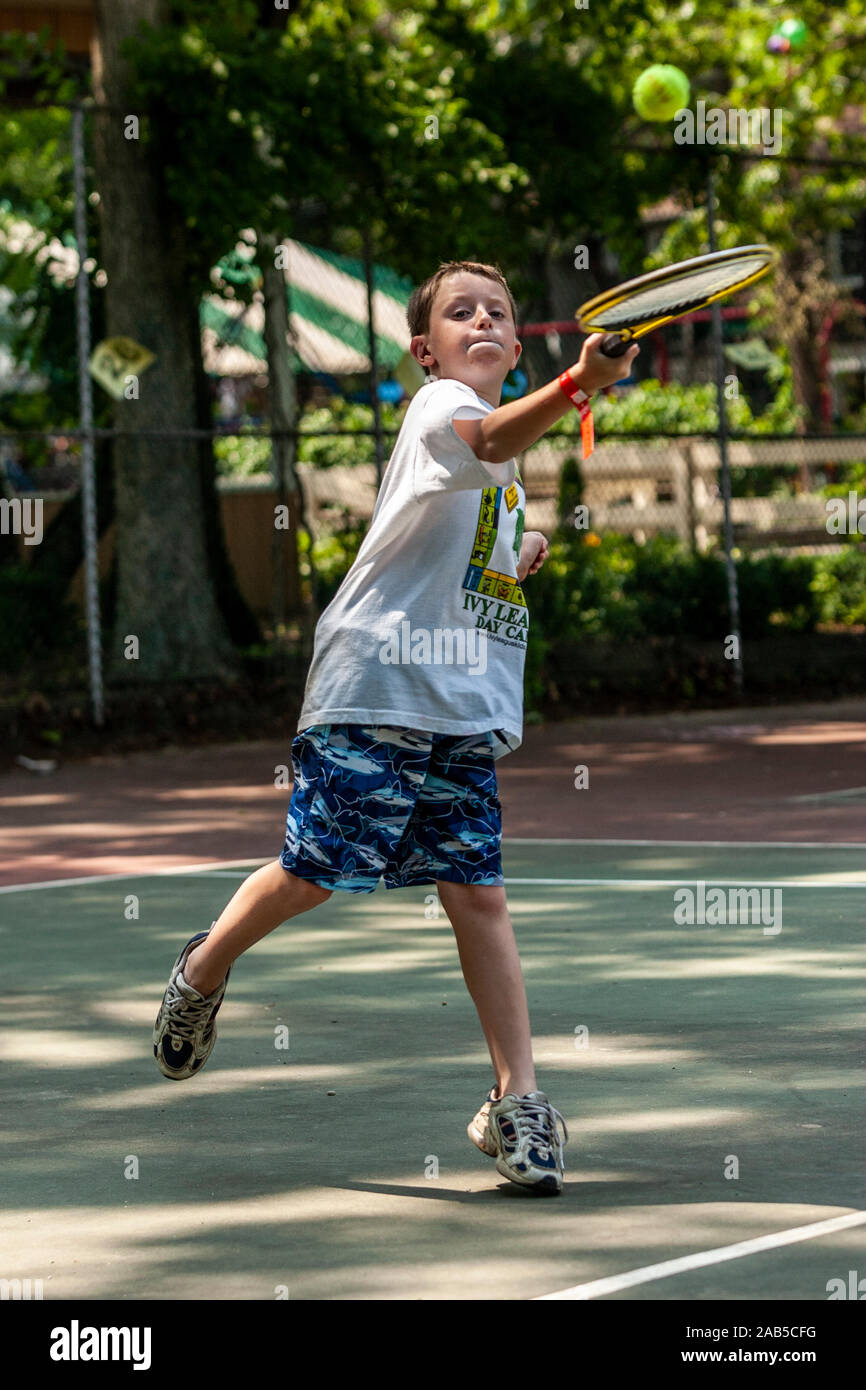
<point x="494" y="978"/>
<point x="268" y="897"/>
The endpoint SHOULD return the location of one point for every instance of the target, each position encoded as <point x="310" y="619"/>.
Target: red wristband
<point x="574" y="392"/>
<point x="580" y="401"/>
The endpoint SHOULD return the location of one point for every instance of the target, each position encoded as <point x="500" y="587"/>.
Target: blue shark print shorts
<point x="409" y="806"/>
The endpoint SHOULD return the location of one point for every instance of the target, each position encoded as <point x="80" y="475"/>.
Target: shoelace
<point x="535" y="1120"/>
<point x="185" y="1014"/>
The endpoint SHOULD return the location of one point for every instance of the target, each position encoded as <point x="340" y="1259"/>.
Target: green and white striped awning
<point x="327" y="313"/>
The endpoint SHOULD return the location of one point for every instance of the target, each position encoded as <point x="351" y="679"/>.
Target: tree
<point x="351" y="107"/>
<point x="164" y="596"/>
<point x="818" y="93"/>
<point x="38" y="331"/>
<point x="554" y="81"/>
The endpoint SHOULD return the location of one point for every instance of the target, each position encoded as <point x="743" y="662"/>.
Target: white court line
<point x="635" y="882"/>
<point x="680" y="883"/>
<point x="693" y="844"/>
<point x="597" y="1288"/>
<point x="830" y="796"/>
<point x="221" y="864"/>
<point x="142" y="873"/>
<point x="206" y="871"/>
<point x="221" y="873"/>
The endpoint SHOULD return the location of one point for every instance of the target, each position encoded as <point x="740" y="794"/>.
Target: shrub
<point x="651" y="408"/>
<point x="315" y="447"/>
<point x="333" y="557"/>
<point x="242" y="456"/>
<point x="624" y="590"/>
<point x="839" y="587"/>
<point x="32" y="621"/>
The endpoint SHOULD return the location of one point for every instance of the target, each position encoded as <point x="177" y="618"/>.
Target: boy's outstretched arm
<point x="511" y="428"/>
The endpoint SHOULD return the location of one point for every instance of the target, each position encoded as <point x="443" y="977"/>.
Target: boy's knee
<point x="481" y="897"/>
<point x="310" y="893"/>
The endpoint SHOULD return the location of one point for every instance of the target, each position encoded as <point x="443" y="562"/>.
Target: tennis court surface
<point x="711" y="1074"/>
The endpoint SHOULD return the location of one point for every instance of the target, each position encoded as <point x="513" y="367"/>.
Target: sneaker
<point x="521" y="1132"/>
<point x="184" y="1034"/>
<point x="477" y="1129"/>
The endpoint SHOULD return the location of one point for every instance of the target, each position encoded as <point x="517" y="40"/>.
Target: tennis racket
<point x="638" y="306"/>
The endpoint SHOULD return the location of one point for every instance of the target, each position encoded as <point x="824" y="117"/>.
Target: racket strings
<point x="676" y="296"/>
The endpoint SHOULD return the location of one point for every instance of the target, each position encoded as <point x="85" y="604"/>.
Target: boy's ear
<point x="420" y="350"/>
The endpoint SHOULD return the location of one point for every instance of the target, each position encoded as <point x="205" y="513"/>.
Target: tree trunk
<point x="801" y="302"/>
<point x="806" y="375"/>
<point x="283" y="410"/>
<point x="164" y="595"/>
<point x="63" y="550"/>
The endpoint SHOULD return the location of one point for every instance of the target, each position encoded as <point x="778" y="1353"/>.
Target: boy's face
<point x="472" y="335"/>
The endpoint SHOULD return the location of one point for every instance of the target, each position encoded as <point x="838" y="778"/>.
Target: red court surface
<point x="790" y="774"/>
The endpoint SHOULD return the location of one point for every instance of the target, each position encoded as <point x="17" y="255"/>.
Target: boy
<point x="394" y="755"/>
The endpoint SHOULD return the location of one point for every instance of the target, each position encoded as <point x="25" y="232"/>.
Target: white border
<point x="219" y="866"/>
<point x="142" y="873"/>
<point x="696" y="844"/>
<point x="597" y="1288"/>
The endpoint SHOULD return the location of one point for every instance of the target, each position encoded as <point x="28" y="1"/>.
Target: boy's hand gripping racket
<point x="638" y="306"/>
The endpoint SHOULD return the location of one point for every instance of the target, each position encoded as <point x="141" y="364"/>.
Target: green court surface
<point x="711" y="1078"/>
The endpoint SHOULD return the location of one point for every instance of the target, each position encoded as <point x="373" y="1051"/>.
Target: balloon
<point x="795" y="31"/>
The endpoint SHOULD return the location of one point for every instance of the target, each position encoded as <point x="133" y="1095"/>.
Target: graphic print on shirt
<point x="496" y="600"/>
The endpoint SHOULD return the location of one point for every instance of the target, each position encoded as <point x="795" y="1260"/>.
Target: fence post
<point x="725" y="472"/>
<point x="691" y="488"/>
<point x="283" y="411"/>
<point x="85" y="395"/>
<point x="374" y="362"/>
<point x="682" y="495"/>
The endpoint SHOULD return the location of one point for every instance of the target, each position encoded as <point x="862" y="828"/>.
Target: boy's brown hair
<point x="418" y="310"/>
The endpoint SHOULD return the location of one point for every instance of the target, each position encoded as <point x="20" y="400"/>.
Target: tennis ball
<point x="795" y="31"/>
<point x="660" y="92"/>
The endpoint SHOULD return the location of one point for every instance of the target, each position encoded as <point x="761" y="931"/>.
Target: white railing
<point x="639" y="489"/>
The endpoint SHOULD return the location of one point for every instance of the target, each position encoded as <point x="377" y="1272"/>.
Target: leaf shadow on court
<point x="675" y="1053"/>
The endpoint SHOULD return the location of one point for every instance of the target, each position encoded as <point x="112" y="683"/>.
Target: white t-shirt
<point x="428" y="629"/>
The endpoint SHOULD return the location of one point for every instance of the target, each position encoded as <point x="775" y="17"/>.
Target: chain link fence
<point x="670" y="486"/>
<point x="239" y="467"/>
<point x="790" y="497"/>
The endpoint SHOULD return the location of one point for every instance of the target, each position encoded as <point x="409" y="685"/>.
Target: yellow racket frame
<point x="610" y="298"/>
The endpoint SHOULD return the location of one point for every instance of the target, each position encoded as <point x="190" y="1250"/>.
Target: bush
<point x="347" y="450"/>
<point x="333" y="557"/>
<point x="32" y="621"/>
<point x="647" y="408"/>
<point x="847" y="477"/>
<point x="651" y="408"/>
<point x="591" y="587"/>
<point x="839" y="587"/>
<point x="242" y="456"/>
<point x="776" y="592"/>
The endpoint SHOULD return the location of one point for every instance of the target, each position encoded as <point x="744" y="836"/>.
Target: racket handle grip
<point x="612" y="345"/>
